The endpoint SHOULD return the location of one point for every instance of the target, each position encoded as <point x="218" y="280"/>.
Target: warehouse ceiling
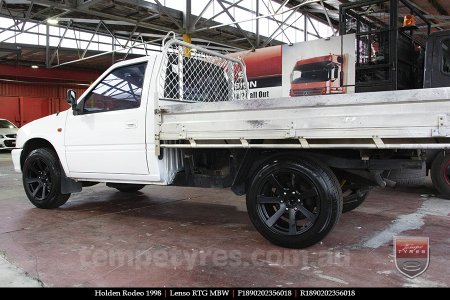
<point x="131" y="22"/>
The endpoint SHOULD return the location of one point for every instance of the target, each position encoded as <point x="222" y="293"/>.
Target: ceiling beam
<point x="237" y="24"/>
<point x="87" y="3"/>
<point x="96" y="21"/>
<point x="164" y="11"/>
<point x="88" y="11"/>
<point x="200" y="15"/>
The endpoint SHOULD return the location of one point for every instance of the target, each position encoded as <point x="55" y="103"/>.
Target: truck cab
<point x="105" y="135"/>
<point x="110" y="134"/>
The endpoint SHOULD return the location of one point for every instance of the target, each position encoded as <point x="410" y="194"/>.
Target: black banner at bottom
<point x="225" y="293"/>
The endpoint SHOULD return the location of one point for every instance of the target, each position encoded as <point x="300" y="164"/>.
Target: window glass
<point x="121" y="89"/>
<point x="6" y="124"/>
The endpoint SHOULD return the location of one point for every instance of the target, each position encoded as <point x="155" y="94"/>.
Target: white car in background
<point x="8" y="134"/>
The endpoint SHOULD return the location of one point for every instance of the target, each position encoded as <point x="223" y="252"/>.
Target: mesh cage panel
<point x="192" y="74"/>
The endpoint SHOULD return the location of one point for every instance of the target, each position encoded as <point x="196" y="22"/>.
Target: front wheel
<point x="440" y="174"/>
<point x="294" y="204"/>
<point x="41" y="177"/>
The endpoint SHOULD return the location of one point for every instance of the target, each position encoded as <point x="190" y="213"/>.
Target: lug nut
<point x="295" y="208"/>
<point x="293" y="193"/>
<point x="287" y="208"/>
<point x="281" y="201"/>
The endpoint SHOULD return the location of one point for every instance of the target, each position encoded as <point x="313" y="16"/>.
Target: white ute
<point x="182" y="118"/>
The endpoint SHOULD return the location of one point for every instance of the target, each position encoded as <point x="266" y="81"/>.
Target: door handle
<point x="130" y="125"/>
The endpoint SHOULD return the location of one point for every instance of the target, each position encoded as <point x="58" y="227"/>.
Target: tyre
<point x="408" y="177"/>
<point x="440" y="174"/>
<point x="41" y="177"/>
<point x="353" y="196"/>
<point x="294" y="203"/>
<point x="126" y="187"/>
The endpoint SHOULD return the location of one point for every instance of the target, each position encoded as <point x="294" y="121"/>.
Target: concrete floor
<point x="12" y="276"/>
<point x="170" y="236"/>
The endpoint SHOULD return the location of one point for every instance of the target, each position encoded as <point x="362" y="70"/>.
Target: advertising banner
<point x="319" y="67"/>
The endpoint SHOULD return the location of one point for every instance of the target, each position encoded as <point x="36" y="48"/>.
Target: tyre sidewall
<point x="127" y="187"/>
<point x="354" y="204"/>
<point x="437" y="174"/>
<point x="52" y="162"/>
<point x="131" y="189"/>
<point x="329" y="203"/>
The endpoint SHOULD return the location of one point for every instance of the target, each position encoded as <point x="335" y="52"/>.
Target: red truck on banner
<point x="317" y="76"/>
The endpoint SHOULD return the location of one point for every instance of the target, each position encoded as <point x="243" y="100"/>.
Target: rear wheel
<point x="294" y="204"/>
<point x="407" y="177"/>
<point x="440" y="174"/>
<point x="353" y="196"/>
<point x="41" y="177"/>
<point x="126" y="187"/>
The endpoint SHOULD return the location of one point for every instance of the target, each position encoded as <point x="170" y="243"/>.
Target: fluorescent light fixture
<point x="34" y="67"/>
<point x="52" y="21"/>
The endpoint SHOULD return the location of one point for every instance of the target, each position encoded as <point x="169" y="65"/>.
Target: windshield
<point x="314" y="72"/>
<point x="6" y="124"/>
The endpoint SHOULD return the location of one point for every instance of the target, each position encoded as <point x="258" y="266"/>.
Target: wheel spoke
<point x="309" y="215"/>
<point x="292" y="222"/>
<point x="37" y="189"/>
<point x="273" y="180"/>
<point x="44" y="190"/>
<point x="308" y="194"/>
<point x="274" y="218"/>
<point x="31" y="180"/>
<point x="267" y="200"/>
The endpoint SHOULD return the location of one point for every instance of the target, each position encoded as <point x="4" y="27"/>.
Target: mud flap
<point x="68" y="185"/>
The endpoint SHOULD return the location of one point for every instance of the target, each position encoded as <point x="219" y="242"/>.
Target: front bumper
<point x="15" y="154"/>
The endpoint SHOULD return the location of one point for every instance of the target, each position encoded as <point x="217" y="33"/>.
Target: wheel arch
<point x="33" y="144"/>
<point x="256" y="159"/>
<point x="68" y="185"/>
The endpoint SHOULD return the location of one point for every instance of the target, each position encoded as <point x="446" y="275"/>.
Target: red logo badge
<point x="412" y="255"/>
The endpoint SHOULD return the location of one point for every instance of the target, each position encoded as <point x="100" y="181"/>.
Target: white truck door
<point x="108" y="134"/>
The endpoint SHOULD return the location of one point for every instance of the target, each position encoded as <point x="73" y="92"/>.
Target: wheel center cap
<point x="292" y="200"/>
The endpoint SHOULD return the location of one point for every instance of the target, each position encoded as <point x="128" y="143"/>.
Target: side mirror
<point x="72" y="98"/>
